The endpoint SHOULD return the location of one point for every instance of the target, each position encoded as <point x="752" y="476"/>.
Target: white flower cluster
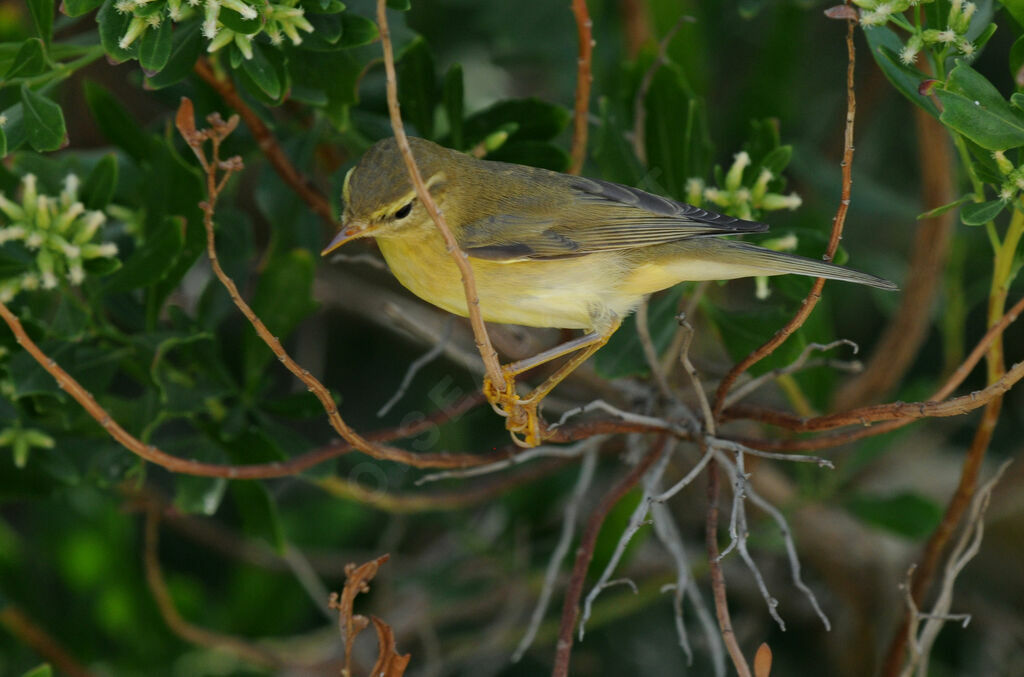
<point x="277" y="20"/>
<point x="60" y="232"/>
<point x="1013" y="177"/>
<point x="736" y="199"/>
<point x="954" y="35"/>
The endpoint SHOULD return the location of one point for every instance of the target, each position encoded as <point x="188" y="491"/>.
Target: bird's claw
<point x="522" y="415"/>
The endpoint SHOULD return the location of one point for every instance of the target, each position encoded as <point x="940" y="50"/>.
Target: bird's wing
<point x="596" y="216"/>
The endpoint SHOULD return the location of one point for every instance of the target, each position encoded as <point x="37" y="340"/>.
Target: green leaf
<point x="357" y="30"/>
<point x="42" y="17"/>
<point x="113" y="25"/>
<point x="327" y="31"/>
<point x="258" y="510"/>
<point x="533" y="153"/>
<point x="417" y="86"/>
<point x="262" y="72"/>
<point x="43" y="670"/>
<point x="3" y="143"/>
<point x="400" y="5"/>
<point x="198" y="495"/>
<point x="973" y="107"/>
<point x="675" y="131"/>
<point x="908" y="514"/>
<point x="116" y="124"/>
<point x="155" y="48"/>
<point x="885" y="45"/>
<point x="533" y="119"/>
<point x="322" y="7"/>
<point x="43" y="120"/>
<point x="980" y="213"/>
<point x="452" y="95"/>
<point x="28" y="61"/>
<point x="1017" y="58"/>
<point x="80" y="7"/>
<point x="283" y="297"/>
<point x="186" y="46"/>
<point x="235" y="22"/>
<point x="939" y="211"/>
<point x="150" y="262"/>
<point x="339" y="90"/>
<point x="613" y="153"/>
<point x="98" y="188"/>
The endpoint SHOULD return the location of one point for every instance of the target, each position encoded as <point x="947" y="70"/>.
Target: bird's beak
<point x="350" y="231"/>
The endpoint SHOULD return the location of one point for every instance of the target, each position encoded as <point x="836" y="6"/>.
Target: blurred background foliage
<point x="89" y="88"/>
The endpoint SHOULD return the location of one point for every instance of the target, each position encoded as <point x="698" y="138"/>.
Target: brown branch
<point x="894" y="410"/>
<point x="43" y="643"/>
<point x="483" y="341"/>
<point x="833" y="243"/>
<point x="584" y="77"/>
<point x="899" y="344"/>
<point x="216" y="134"/>
<point x="182" y="628"/>
<point x="716" y="575"/>
<point x="268" y="144"/>
<point x="585" y="552"/>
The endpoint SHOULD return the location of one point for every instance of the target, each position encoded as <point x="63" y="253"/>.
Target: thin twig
<point x="268" y="144"/>
<point x="572" y="451"/>
<point x="417" y="364"/>
<point x="569" y="517"/>
<point x="838" y="222"/>
<point x="483" y="341"/>
<point x="19" y="624"/>
<point x="643" y="332"/>
<point x="187" y="631"/>
<point x="799" y="363"/>
<point x="584" y="77"/>
<point x="585" y="552"/>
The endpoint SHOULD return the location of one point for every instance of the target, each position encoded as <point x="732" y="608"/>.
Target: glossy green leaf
<point x="150" y="262"/>
<point x="155" y="48"/>
<point x="198" y="495"/>
<point x="43" y="670"/>
<point x="79" y="7"/>
<point x="907" y="514"/>
<point x="258" y="510"/>
<point x="186" y="46"/>
<point x="28" y="61"/>
<point x="42" y="17"/>
<point x="327" y="32"/>
<point x="357" y="30"/>
<point x="885" y="46"/>
<point x="973" y="107"/>
<point x="287" y="277"/>
<point x="98" y="188"/>
<point x="533" y="153"/>
<point x="322" y="7"/>
<point x="43" y="120"/>
<point x="113" y="25"/>
<point x="612" y="151"/>
<point x="237" y="23"/>
<point x="454" y="107"/>
<point x="980" y="213"/>
<point x="417" y="87"/>
<point x="262" y="71"/>
<point x="942" y="209"/>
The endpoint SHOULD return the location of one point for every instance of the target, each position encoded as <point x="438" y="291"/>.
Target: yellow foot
<point x="522" y="416"/>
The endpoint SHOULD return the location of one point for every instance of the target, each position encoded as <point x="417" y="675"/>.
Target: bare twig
<point x="585" y="552"/>
<point x="799" y="363"/>
<point x="572" y="451"/>
<point x="584" y="77"/>
<point x="268" y="144"/>
<point x="483" y="341"/>
<point x="19" y="624"/>
<point x="572" y="509"/>
<point x="833" y="243"/>
<point x="187" y="631"/>
<point x="415" y="366"/>
<point x="643" y="332"/>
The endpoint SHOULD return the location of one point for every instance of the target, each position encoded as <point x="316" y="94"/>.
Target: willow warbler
<point x="547" y="249"/>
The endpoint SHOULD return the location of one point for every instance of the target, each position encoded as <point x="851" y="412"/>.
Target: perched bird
<point x="547" y="249"/>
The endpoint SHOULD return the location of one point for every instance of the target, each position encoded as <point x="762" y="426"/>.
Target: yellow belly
<point x="573" y="293"/>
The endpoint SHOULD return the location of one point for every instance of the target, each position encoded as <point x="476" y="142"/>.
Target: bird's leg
<point x="522" y="414"/>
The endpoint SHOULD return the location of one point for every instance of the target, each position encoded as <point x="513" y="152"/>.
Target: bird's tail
<point x="732" y="258"/>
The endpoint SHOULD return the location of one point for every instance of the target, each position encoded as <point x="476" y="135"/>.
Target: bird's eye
<point x="404" y="211"/>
